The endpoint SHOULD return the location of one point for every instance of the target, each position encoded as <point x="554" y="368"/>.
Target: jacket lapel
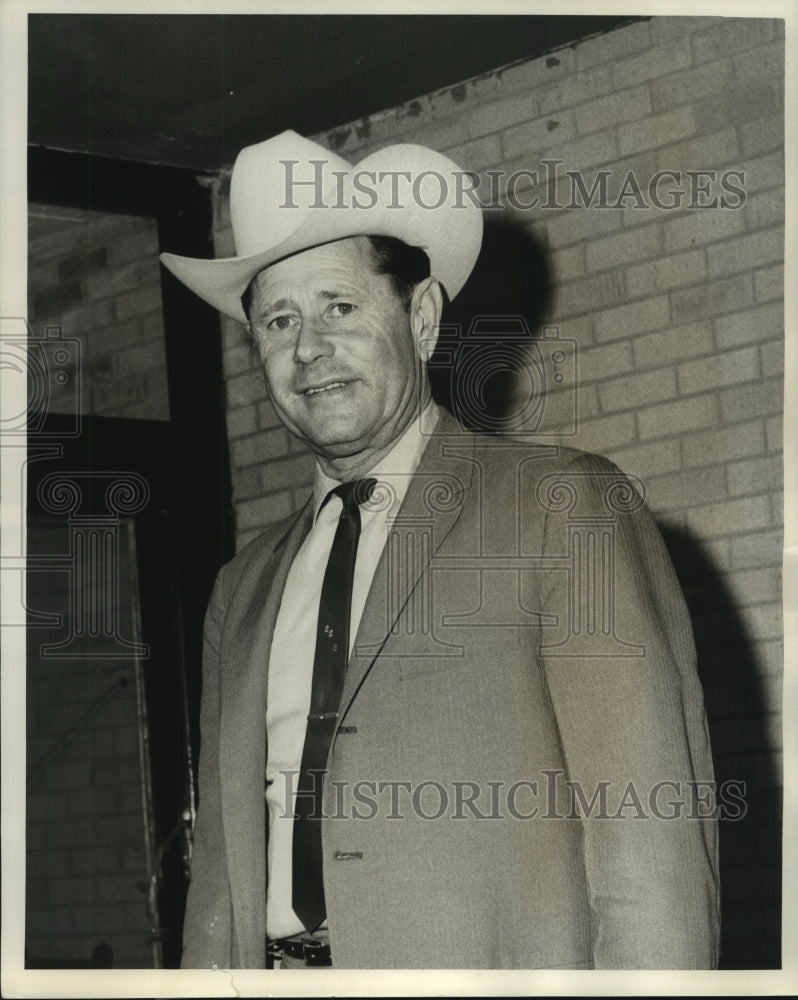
<point x="431" y="508"/>
<point x="242" y="738"/>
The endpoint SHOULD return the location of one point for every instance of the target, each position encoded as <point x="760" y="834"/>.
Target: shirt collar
<point x="399" y="464"/>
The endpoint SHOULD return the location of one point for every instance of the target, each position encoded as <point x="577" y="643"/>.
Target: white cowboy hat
<point x="289" y="194"/>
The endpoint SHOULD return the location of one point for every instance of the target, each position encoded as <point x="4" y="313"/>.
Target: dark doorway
<point x="129" y="520"/>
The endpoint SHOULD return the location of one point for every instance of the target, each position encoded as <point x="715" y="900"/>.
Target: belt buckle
<point x="315" y="953"/>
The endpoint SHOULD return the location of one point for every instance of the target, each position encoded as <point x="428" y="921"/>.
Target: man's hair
<point x="405" y="265"/>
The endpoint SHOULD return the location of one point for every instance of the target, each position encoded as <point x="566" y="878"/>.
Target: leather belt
<point x="313" y="952"/>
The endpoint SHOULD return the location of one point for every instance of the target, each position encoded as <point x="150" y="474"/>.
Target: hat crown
<point x="274" y="186"/>
<point x="289" y="194"/>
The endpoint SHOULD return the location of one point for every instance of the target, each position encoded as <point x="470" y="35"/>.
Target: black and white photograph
<point x="395" y="571"/>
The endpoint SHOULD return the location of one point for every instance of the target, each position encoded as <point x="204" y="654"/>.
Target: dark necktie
<point x="329" y="667"/>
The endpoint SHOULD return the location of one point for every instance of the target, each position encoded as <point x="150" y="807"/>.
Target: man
<point x="467" y="676"/>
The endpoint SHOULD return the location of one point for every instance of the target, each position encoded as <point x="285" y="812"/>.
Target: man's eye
<point x="284" y="322"/>
<point x="340" y="309"/>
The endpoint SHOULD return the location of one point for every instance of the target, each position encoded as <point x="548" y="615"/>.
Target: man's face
<point x="338" y="350"/>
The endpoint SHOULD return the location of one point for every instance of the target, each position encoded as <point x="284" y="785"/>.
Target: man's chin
<point x="335" y="439"/>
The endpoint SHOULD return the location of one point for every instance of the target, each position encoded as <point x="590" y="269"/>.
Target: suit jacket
<point x="521" y="742"/>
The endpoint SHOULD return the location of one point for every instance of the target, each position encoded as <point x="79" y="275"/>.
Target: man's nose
<point x="313" y="341"/>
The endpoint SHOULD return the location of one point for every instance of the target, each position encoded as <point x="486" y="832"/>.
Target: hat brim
<point x="450" y="237"/>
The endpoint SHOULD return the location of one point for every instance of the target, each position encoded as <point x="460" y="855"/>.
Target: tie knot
<point x="356" y="492"/>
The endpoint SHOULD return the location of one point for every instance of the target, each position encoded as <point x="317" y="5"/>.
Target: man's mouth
<point x="316" y="390"/>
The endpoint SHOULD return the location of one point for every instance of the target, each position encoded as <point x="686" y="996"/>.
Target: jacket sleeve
<point x="207" y="925"/>
<point x="633" y="727"/>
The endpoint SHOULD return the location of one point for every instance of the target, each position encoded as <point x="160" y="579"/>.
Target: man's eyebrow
<point x="267" y="307"/>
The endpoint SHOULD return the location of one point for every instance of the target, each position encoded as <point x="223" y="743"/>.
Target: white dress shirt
<point x="294" y="645"/>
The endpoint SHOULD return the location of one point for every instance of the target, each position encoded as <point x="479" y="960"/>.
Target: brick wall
<point x="87" y="867"/>
<point x="679" y="323"/>
<point x="97" y="276"/>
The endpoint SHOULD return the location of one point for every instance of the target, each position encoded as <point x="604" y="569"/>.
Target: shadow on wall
<point x="750" y="847"/>
<point x="487" y="332"/>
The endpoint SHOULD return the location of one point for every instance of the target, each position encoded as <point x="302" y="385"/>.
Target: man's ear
<point x="425" y="316"/>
